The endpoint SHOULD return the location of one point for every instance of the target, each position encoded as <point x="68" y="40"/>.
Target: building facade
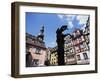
<point x="81" y="42"/>
<point x="53" y="57"/>
<point x="70" y="55"/>
<point x="81" y="47"/>
<point x="76" y="47"/>
<point x="35" y="50"/>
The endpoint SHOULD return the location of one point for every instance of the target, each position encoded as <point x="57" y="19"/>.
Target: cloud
<point x="83" y="27"/>
<point x="82" y="19"/>
<point x="68" y="18"/>
<point x="70" y="24"/>
<point x="60" y="16"/>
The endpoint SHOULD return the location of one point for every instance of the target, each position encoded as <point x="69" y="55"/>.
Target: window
<point x="74" y="42"/>
<point x="67" y="51"/>
<point x="85" y="46"/>
<point x="82" y="38"/>
<point x="85" y="56"/>
<point x="87" y="39"/>
<point x="78" y="32"/>
<point x="38" y="50"/>
<point x="77" y="48"/>
<point x="66" y="42"/>
<point x="88" y="30"/>
<point x="66" y="45"/>
<point x="77" y="41"/>
<point x="81" y="46"/>
<point x="71" y="50"/>
<point x="69" y="44"/>
<point x="78" y="57"/>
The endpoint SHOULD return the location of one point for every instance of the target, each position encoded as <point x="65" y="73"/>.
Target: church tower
<point x="41" y="34"/>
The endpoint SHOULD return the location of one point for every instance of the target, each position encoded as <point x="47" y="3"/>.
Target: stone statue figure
<point x="60" y="43"/>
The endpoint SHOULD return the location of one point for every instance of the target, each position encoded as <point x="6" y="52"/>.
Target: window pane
<point x="85" y="55"/>
<point x="78" y="57"/>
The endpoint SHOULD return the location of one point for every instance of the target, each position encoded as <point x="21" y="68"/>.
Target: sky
<point x="34" y="22"/>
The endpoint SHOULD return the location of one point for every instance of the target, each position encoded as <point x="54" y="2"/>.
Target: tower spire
<point x="41" y="34"/>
